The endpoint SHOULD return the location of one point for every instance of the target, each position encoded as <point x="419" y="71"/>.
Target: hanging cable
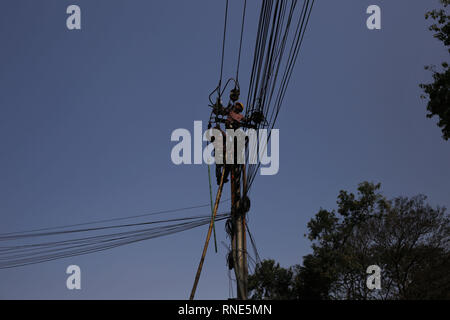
<point x="273" y="33"/>
<point x="223" y="46"/>
<point x="240" y="42"/>
<point x="19" y="254"/>
<point x="111" y="220"/>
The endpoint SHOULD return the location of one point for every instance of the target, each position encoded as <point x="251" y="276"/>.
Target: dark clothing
<point x="234" y="121"/>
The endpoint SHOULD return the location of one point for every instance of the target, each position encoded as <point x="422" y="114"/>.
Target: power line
<point x="273" y="33"/>
<point x="110" y="220"/>
<point x="240" y="42"/>
<point x="20" y="255"/>
<point x="223" y="45"/>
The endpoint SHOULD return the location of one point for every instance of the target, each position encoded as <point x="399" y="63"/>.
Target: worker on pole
<point x="234" y="120"/>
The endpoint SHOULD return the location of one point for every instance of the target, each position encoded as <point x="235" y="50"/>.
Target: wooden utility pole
<point x="238" y="241"/>
<point x="244" y="227"/>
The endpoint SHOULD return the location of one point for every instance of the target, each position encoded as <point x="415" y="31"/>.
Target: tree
<point x="270" y="281"/>
<point x="437" y="92"/>
<point x="312" y="279"/>
<point x="407" y="238"/>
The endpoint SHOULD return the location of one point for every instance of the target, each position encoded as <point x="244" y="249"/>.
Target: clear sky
<point x="86" y="118"/>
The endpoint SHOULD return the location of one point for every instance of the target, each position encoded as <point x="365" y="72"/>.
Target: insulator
<point x="234" y="94"/>
<point x="245" y="204"/>
<point x="257" y="117"/>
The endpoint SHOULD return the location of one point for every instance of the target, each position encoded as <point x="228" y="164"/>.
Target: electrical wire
<point x="110" y="220"/>
<point x="274" y="30"/>
<point x="223" y="46"/>
<point x="240" y="42"/>
<point x="18" y="254"/>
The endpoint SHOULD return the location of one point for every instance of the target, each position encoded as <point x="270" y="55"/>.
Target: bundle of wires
<point x="280" y="22"/>
<point x="41" y="245"/>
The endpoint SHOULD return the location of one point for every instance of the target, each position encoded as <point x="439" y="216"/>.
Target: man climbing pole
<point x="234" y="120"/>
<point x="234" y="117"/>
<point x="223" y="165"/>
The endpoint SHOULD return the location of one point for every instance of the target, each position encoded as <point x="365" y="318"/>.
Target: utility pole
<point x="238" y="240"/>
<point x="244" y="227"/>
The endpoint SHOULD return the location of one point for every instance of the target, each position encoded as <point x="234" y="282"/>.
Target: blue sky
<point x="86" y="118"/>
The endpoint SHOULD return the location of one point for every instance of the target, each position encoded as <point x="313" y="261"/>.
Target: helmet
<point x="239" y="106"/>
